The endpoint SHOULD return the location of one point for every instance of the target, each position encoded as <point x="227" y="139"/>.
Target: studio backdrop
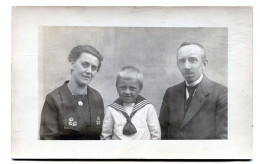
<point x="152" y="49"/>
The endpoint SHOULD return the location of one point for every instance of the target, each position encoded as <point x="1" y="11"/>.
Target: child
<point x="131" y="116"/>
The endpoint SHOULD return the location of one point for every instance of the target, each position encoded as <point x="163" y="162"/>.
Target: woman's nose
<point x="88" y="69"/>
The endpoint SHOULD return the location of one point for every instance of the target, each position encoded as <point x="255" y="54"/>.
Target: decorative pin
<point x="98" y="122"/>
<point x="75" y="123"/>
<point x="72" y="122"/>
<point x="80" y="103"/>
<point x="71" y="119"/>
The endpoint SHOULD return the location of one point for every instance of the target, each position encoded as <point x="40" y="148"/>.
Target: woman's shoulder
<point x="93" y="91"/>
<point x="56" y="91"/>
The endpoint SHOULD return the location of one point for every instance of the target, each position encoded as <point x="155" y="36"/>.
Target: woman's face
<point x="84" y="68"/>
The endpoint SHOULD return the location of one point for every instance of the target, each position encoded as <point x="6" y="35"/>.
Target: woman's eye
<point x="85" y="65"/>
<point x="94" y="68"/>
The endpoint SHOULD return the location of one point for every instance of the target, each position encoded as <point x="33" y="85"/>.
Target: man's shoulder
<point x="176" y="87"/>
<point x="215" y="85"/>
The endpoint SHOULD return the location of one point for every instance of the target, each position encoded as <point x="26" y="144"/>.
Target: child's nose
<point x="127" y="90"/>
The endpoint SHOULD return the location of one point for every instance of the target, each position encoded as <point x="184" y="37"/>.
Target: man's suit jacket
<point x="206" y="118"/>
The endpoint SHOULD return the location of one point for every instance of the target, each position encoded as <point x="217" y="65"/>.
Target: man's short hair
<point x="203" y="55"/>
<point x="130" y="72"/>
<point x="78" y="50"/>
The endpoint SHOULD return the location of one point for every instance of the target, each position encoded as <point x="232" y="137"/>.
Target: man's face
<point x="190" y="62"/>
<point x="128" y="89"/>
<point x="84" y="68"/>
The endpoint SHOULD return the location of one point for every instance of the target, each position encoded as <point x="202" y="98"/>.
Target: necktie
<point x="191" y="90"/>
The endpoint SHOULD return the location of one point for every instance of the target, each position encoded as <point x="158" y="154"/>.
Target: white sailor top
<point x="144" y="119"/>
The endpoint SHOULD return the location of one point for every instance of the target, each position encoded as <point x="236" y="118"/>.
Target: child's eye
<point x="132" y="88"/>
<point x="123" y="88"/>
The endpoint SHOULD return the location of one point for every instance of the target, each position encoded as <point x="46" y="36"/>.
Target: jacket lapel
<point x="94" y="116"/>
<point x="178" y="102"/>
<point x="70" y="111"/>
<point x="197" y="101"/>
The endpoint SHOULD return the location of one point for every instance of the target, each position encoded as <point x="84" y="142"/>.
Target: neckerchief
<point x="129" y="127"/>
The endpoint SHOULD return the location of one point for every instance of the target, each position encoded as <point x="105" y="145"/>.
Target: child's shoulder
<point x="143" y="100"/>
<point x="149" y="106"/>
<point x="115" y="106"/>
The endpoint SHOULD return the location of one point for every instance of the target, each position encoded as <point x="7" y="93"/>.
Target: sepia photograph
<point x="158" y="65"/>
<point x="132" y="82"/>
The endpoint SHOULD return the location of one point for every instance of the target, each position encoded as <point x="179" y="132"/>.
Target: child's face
<point x="128" y="89"/>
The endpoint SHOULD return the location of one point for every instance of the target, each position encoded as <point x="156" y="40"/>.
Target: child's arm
<point x="153" y="123"/>
<point x="108" y="125"/>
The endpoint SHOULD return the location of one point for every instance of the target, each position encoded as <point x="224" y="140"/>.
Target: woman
<point x="74" y="111"/>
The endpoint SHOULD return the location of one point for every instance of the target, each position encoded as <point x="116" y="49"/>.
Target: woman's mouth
<point x="86" y="77"/>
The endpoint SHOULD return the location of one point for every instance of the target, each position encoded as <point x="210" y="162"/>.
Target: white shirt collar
<point x="195" y="82"/>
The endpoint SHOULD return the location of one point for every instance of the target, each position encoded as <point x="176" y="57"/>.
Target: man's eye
<point x="182" y="61"/>
<point x="192" y="59"/>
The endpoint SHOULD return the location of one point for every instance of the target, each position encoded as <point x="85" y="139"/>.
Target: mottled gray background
<point x="152" y="50"/>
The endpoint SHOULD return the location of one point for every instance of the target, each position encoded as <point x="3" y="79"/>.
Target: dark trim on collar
<point x="139" y="103"/>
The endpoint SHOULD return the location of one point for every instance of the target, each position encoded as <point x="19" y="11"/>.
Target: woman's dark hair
<point x="78" y="50"/>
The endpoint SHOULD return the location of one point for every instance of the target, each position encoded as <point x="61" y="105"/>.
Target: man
<point x="197" y="107"/>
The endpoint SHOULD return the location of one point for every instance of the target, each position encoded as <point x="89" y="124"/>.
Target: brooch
<point x="72" y="122"/>
<point x="98" y="122"/>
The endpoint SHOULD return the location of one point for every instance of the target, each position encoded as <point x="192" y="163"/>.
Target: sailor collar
<point x="140" y="103"/>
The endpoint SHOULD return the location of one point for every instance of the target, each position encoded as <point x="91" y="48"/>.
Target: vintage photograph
<point x="132" y="83"/>
<point x="136" y="83"/>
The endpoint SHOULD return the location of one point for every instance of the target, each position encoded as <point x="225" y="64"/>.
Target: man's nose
<point x="187" y="65"/>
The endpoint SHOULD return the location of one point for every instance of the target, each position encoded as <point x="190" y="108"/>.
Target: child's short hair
<point x="130" y="72"/>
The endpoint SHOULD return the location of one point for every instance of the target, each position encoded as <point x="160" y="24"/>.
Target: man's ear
<point x="205" y="63"/>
